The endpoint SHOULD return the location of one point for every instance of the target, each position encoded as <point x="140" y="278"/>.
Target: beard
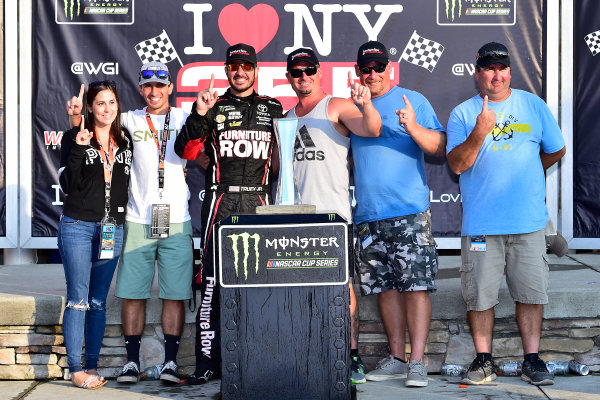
<point x="237" y="89"/>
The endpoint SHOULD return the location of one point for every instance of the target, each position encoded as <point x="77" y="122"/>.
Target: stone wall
<point x="38" y="352"/>
<point x="450" y="342"/>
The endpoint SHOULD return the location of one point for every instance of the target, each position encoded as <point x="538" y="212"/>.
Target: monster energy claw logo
<point x="235" y="219"/>
<point x="451" y="7"/>
<point x="331" y="217"/>
<point x="69" y="5"/>
<point x="245" y="236"/>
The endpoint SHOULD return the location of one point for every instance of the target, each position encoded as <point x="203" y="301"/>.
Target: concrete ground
<point x="439" y="388"/>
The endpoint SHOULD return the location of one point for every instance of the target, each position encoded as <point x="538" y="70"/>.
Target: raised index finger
<point x="350" y="80"/>
<point x="485" y="104"/>
<point x="212" y="83"/>
<point x="82" y="126"/>
<point x="408" y="105"/>
<point x="81" y="89"/>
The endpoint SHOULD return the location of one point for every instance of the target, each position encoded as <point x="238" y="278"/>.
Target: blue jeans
<point x="88" y="280"/>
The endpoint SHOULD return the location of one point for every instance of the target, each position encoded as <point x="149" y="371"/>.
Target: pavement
<point x="439" y="388"/>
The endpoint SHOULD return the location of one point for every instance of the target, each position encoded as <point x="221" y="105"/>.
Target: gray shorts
<point x="522" y="257"/>
<point x="402" y="255"/>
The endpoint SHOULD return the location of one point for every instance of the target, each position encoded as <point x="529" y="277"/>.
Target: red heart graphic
<point x="255" y="27"/>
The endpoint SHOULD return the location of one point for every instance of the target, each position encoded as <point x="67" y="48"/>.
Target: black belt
<point x="242" y="188"/>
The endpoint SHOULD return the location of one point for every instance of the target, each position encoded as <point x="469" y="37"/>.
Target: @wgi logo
<point x="244" y="240"/>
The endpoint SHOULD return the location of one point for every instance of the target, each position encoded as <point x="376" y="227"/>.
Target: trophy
<point x="287" y="192"/>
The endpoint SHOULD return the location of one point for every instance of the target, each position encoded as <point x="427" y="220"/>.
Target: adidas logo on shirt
<point x="305" y="149"/>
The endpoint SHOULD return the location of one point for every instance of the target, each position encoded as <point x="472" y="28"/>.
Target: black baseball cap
<point x="299" y="55"/>
<point x="242" y="52"/>
<point x="372" y="51"/>
<point x="491" y="53"/>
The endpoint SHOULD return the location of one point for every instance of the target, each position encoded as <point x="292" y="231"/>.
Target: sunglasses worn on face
<point x="149" y="73"/>
<point x="297" y="72"/>
<point x="379" y="68"/>
<point x="103" y="83"/>
<point x="231" y="67"/>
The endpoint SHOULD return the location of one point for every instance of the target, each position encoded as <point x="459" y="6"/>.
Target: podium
<point x="284" y="294"/>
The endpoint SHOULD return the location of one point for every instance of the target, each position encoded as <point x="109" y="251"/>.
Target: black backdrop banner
<point x="435" y="42"/>
<point x="586" y="141"/>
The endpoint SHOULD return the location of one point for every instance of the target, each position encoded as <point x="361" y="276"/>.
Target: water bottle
<point x="558" y="367"/>
<point x="579" y="369"/>
<point x="509" y="368"/>
<point x="151" y="373"/>
<point x="453" y="369"/>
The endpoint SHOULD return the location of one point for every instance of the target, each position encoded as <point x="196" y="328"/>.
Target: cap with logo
<point x="491" y="53"/>
<point x="241" y="52"/>
<point x="372" y="51"/>
<point x="154" y="71"/>
<point x="299" y="55"/>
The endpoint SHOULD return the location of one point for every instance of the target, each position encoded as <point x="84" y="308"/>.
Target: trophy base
<point x="291" y="209"/>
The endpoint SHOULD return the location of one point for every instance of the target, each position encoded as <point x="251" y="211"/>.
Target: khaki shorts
<point x="521" y="257"/>
<point x="174" y="257"/>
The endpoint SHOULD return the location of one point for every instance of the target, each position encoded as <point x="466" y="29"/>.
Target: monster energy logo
<point x="332" y="217"/>
<point x="235" y="219"/>
<point x="70" y="5"/>
<point x="246" y="237"/>
<point x="451" y="7"/>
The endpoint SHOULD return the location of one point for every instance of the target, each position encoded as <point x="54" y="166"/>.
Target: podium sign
<point x="285" y="317"/>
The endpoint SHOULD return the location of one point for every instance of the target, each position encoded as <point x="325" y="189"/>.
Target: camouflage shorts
<point x="402" y="255"/>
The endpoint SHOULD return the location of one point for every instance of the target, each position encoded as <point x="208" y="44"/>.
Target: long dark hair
<point x="116" y="133"/>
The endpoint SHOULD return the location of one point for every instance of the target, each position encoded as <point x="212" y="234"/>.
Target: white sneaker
<point x="388" y="368"/>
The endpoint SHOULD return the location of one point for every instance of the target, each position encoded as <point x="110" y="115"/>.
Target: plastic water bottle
<point x="151" y="373"/>
<point x="453" y="369"/>
<point x="558" y="367"/>
<point x="509" y="368"/>
<point x="579" y="369"/>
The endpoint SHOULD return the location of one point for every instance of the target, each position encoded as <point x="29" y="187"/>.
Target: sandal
<point x="91" y="383"/>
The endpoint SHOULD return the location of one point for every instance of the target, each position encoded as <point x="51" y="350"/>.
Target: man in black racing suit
<point x="236" y="132"/>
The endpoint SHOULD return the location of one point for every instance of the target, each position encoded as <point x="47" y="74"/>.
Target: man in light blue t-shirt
<point x="499" y="142"/>
<point x="397" y="254"/>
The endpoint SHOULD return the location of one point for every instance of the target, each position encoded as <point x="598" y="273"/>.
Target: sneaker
<point x="417" y="374"/>
<point x="130" y="373"/>
<point x="388" y="368"/>
<point x="168" y="373"/>
<point x="202" y="376"/>
<point x="536" y="373"/>
<point x="357" y="371"/>
<point x="480" y="372"/>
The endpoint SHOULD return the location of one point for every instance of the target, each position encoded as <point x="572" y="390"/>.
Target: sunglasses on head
<point x="149" y="73"/>
<point x="103" y="83"/>
<point x="297" y="72"/>
<point x="379" y="68"/>
<point x="486" y="55"/>
<point x="231" y="67"/>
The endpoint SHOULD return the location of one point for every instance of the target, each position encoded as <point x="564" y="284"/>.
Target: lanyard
<point x="162" y="148"/>
<point x="108" y="161"/>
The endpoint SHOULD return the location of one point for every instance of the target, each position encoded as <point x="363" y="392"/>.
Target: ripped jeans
<point x="88" y="280"/>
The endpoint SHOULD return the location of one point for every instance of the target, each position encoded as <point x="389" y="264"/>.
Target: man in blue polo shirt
<point x="500" y="154"/>
<point x="397" y="255"/>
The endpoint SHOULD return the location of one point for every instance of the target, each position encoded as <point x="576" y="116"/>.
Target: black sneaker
<point x="480" y="372"/>
<point x="202" y="376"/>
<point x="536" y="373"/>
<point x="130" y="373"/>
<point x="168" y="373"/>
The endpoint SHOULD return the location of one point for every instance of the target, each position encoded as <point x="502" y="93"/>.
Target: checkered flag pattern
<point x="593" y="42"/>
<point x="158" y="48"/>
<point x="422" y="52"/>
